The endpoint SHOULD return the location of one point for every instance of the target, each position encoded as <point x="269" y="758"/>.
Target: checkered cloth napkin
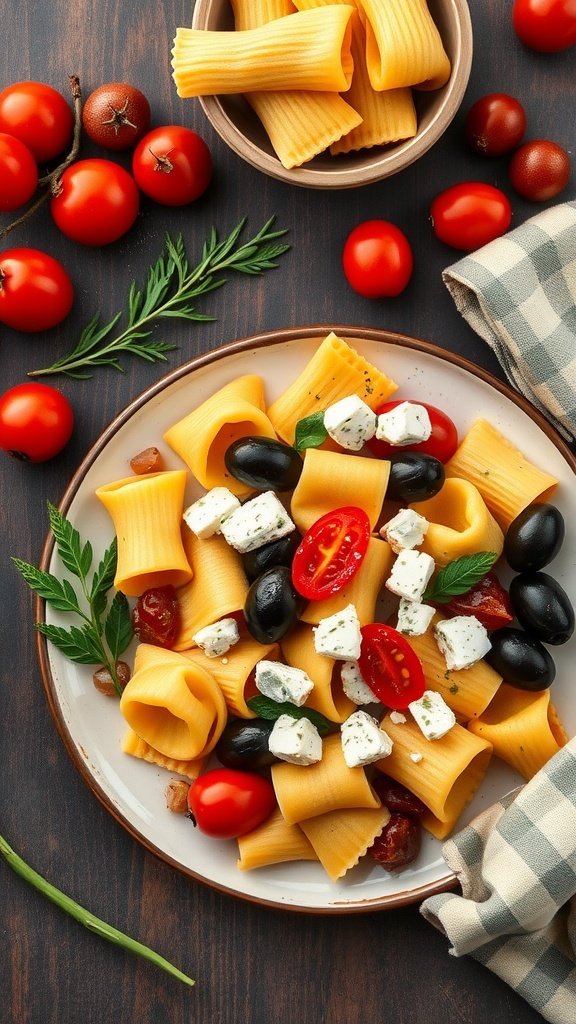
<point x="519" y="294"/>
<point x="516" y="865"/>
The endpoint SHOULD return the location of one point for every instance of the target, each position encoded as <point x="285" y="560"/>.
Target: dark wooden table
<point x="252" y="964"/>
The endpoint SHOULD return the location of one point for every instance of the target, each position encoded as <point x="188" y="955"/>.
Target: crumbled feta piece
<point x="205" y="516"/>
<point x="354" y="686"/>
<point x="363" y="741"/>
<point x="406" y="529"/>
<point x="411" y="572"/>
<point x="338" y="636"/>
<point x="350" y="422"/>
<point x="462" y="640"/>
<point x="397" y="717"/>
<point x="218" y="638"/>
<point x="406" y="423"/>
<point x="295" y="740"/>
<point x="413" y="617"/>
<point x="415" y="756"/>
<point x="283" y="682"/>
<point x="432" y="715"/>
<point x="257" y="522"/>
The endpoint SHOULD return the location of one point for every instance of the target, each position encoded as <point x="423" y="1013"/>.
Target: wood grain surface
<point x="252" y="965"/>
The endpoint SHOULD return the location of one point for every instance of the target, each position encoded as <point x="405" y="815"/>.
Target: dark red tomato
<point x="226" y="803"/>
<point x="487" y="600"/>
<point x="116" y="115"/>
<point x="495" y="124"/>
<point x="172" y="165"/>
<point x="330" y="552"/>
<point x="97" y="202"/>
<point x="36" y="422"/>
<point x="156" y="617"/>
<point x="39" y="116"/>
<point x="35" y="290"/>
<point x="397" y="798"/>
<point x="442" y="443"/>
<point x="18" y="173"/>
<point x="398" y="844"/>
<point x="545" y="25"/>
<point x="469" y="215"/>
<point x="377" y="259"/>
<point x="390" y="666"/>
<point x="540" y="170"/>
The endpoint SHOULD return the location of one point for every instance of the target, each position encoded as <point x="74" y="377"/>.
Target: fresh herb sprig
<point x="265" y="707"/>
<point x="170" y="288"/>
<point x="106" y="629"/>
<point x="459" y="576"/>
<point x="310" y="432"/>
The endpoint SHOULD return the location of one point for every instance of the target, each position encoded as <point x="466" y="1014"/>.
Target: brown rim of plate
<point x="263" y="340"/>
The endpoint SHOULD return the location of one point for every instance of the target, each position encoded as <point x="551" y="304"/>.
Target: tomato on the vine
<point x="36" y="422"/>
<point x="377" y="259"/>
<point x="36" y="292"/>
<point x="116" y="115"/>
<point x="18" y="173"/>
<point x="172" y="165"/>
<point x="442" y="443"/>
<point x="330" y="552"/>
<point x="495" y="124"/>
<point x="540" y="170"/>
<point x="226" y="803"/>
<point x="97" y="203"/>
<point x="39" y="116"/>
<point x="470" y="214"/>
<point x="390" y="666"/>
<point x="545" y="25"/>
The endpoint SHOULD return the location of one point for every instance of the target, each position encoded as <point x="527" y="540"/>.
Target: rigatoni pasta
<point x="459" y="523"/>
<point x="523" y="728"/>
<point x="217" y="589"/>
<point x="403" y="45"/>
<point x="333" y="479"/>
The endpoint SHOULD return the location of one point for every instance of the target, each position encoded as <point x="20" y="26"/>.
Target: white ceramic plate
<point x="91" y="725"/>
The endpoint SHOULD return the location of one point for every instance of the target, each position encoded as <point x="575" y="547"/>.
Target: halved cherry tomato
<point x="226" y="803"/>
<point x="487" y="600"/>
<point x="442" y="443"/>
<point x="330" y="552"/>
<point x="390" y="666"/>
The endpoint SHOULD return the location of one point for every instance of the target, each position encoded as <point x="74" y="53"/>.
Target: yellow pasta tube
<point x="137" y="747"/>
<point x="460" y="523"/>
<point x="305" y="50"/>
<point x="341" y="838"/>
<point x="403" y="44"/>
<point x="335" y="371"/>
<point x="218" y="587"/>
<point x="147" y="511"/>
<point x="327" y="696"/>
<point x="330" y="480"/>
<point x="507" y="481"/>
<point x="274" y="842"/>
<point x="233" y="673"/>
<point x="363" y="589"/>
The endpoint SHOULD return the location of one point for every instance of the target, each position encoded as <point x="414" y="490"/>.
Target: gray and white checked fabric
<point x="516" y="864"/>
<point x="519" y="295"/>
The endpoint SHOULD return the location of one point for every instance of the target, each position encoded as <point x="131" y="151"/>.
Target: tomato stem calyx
<point x="163" y="163"/>
<point x="119" y="118"/>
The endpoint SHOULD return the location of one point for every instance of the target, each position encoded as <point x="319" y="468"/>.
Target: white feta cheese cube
<point x="414" y="617"/>
<point x="295" y="740"/>
<point x="354" y="686"/>
<point x="338" y="636"/>
<point x="411" y="573"/>
<point x="432" y="715"/>
<point x="283" y="682"/>
<point x="363" y="741"/>
<point x="205" y="516"/>
<point x="415" y="756"/>
<point x="406" y="423"/>
<point x="217" y="638"/>
<point x="406" y="529"/>
<point x="257" y="522"/>
<point x="350" y="422"/>
<point x="462" y="640"/>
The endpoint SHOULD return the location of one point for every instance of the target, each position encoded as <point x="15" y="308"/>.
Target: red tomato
<point x="18" y="173"/>
<point x="377" y="259"/>
<point x="330" y="552"/>
<point x="226" y="803"/>
<point x="487" y="600"/>
<point x="495" y="124"/>
<point x="390" y="666"/>
<point x="172" y="165"/>
<point x="97" y="202"/>
<point x="545" y="25"/>
<point x="540" y="170"/>
<point x="36" y="422"/>
<point x="468" y="215"/>
<point x="442" y="443"/>
<point x="35" y="290"/>
<point x="156" y="617"/>
<point x="116" y="115"/>
<point x="39" y="116"/>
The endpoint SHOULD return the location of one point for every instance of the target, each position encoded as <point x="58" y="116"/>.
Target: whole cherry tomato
<point x="156" y="617"/>
<point x="36" y="292"/>
<point x="545" y="25"/>
<point x="487" y="600"/>
<point x="18" y="173"/>
<point x="226" y="803"/>
<point x="495" y="124"/>
<point x="36" y="422"/>
<point x="377" y="259"/>
<point x="116" y="115"/>
<point x="97" y="203"/>
<point x="470" y="214"/>
<point x="330" y="552"/>
<point x="390" y="666"/>
<point x="39" y="116"/>
<point x="442" y="443"/>
<point x="540" y="170"/>
<point x="172" y="165"/>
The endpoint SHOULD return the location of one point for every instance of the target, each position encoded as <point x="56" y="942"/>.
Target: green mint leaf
<point x="310" y="432"/>
<point x="103" y="579"/>
<point x="265" y="707"/>
<point x="118" y="626"/>
<point x="75" y="556"/>
<point x="58" y="594"/>
<point x="81" y="645"/>
<point x="459" y="576"/>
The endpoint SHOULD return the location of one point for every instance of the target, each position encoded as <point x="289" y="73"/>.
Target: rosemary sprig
<point x="171" y="286"/>
<point x="105" y="631"/>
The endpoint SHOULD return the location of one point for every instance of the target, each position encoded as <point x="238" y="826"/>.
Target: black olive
<point x="542" y="607"/>
<point x="273" y="606"/>
<point x="263" y="463"/>
<point x="277" y="552"/>
<point x="414" y="477"/>
<point x="521" y="660"/>
<point x="244" y="744"/>
<point x="534" y="538"/>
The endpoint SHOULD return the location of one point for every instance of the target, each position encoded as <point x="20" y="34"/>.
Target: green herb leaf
<point x="103" y="579"/>
<point x="310" y="432"/>
<point x="265" y="707"/>
<point x="80" y="644"/>
<point x="459" y="576"/>
<point x="59" y="594"/>
<point x="77" y="557"/>
<point x="118" y="626"/>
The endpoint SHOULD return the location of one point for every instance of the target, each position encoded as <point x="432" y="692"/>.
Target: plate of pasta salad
<point x="331" y="543"/>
